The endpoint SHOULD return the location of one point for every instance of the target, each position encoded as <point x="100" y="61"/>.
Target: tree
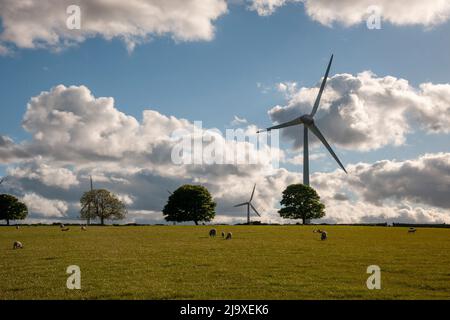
<point x="301" y="202"/>
<point x="11" y="208"/>
<point x="190" y="203"/>
<point x="101" y="204"/>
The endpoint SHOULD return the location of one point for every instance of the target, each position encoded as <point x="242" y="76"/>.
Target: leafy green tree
<point x="301" y="202"/>
<point x="11" y="208"/>
<point x="190" y="203"/>
<point x="101" y="204"/>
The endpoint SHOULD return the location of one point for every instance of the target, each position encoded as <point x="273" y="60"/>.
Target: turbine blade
<point x="253" y="192"/>
<point x="322" y="87"/>
<point x="254" y="209"/>
<point x="284" y="125"/>
<point x="319" y="135"/>
<point x="241" y="204"/>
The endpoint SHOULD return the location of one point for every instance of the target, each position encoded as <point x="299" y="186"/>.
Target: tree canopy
<point x="190" y="203"/>
<point x="11" y="208"/>
<point x="301" y="202"/>
<point x="103" y="205"/>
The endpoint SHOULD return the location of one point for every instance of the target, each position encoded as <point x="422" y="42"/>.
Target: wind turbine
<point x="308" y="122"/>
<point x="249" y="204"/>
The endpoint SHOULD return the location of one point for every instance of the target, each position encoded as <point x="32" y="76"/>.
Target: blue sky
<point x="213" y="81"/>
<point x="216" y="79"/>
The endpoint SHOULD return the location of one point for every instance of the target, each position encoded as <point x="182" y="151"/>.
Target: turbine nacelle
<point x="307" y="120"/>
<point x="249" y="205"/>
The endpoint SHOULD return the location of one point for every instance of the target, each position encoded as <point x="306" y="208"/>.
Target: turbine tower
<point x="308" y="122"/>
<point x="249" y="204"/>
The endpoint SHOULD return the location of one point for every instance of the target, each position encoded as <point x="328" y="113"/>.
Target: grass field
<point x="260" y="262"/>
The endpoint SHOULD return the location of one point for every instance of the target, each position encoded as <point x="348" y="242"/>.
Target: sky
<point x="104" y="100"/>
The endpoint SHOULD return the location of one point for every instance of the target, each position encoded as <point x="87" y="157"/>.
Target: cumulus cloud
<point x="351" y="12"/>
<point x="298" y="159"/>
<point x="267" y="7"/>
<point x="76" y="135"/>
<point x="365" y="112"/>
<point x="46" y="174"/>
<point x="45" y="207"/>
<point x="409" y="191"/>
<point x="42" y="24"/>
<point x="10" y="151"/>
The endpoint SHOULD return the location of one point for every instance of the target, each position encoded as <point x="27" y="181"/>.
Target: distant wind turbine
<point x="249" y="204"/>
<point x="308" y="121"/>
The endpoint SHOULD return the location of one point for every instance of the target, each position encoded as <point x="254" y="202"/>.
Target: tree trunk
<point x="196" y="223"/>
<point x="304" y="220"/>
<point x="7" y="221"/>
<point x="102" y="221"/>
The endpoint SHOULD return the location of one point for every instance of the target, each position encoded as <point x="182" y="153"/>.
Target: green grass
<point x="260" y="262"/>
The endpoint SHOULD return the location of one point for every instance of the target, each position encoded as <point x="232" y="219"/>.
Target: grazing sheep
<point x="323" y="234"/>
<point x="65" y="229"/>
<point x="412" y="230"/>
<point x="223" y="234"/>
<point x="212" y="232"/>
<point x="17" y="227"/>
<point x="61" y="226"/>
<point x="229" y="236"/>
<point x="17" y="245"/>
<point x="83" y="228"/>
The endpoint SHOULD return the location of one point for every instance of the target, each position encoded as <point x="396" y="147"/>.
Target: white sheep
<point x="61" y="226"/>
<point x="229" y="236"/>
<point x="412" y="230"/>
<point x="17" y="245"/>
<point x="212" y="232"/>
<point x="83" y="228"/>
<point x="65" y="229"/>
<point x="223" y="234"/>
<point x="17" y="227"/>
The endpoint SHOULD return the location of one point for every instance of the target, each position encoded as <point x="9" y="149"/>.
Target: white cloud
<point x="10" y="151"/>
<point x="267" y="7"/>
<point x="76" y="135"/>
<point x="46" y="174"/>
<point x="351" y="12"/>
<point x="412" y="190"/>
<point x="238" y="121"/>
<point x="45" y="207"/>
<point x="298" y="159"/>
<point x="36" y="24"/>
<point x="366" y="112"/>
